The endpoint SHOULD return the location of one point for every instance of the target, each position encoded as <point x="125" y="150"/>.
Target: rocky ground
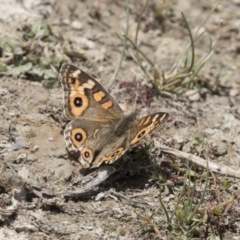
<point x="36" y="36"/>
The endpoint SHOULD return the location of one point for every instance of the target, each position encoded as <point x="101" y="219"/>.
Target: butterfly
<point x="98" y="128"/>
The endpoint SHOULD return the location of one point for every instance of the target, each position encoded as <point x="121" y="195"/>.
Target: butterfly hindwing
<point x="145" y="126"/>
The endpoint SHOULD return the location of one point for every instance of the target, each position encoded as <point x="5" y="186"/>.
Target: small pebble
<point x="76" y="25"/>
<point x="5" y="144"/>
<point x="220" y="148"/>
<point x="22" y="157"/>
<point x="3" y="91"/>
<point x="100" y="196"/>
<point x="23" y="173"/>
<point x="234" y="92"/>
<point x="193" y="95"/>
<point x="66" y="21"/>
<point x="35" y="148"/>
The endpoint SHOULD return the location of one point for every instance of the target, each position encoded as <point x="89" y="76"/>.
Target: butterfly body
<point x="98" y="127"/>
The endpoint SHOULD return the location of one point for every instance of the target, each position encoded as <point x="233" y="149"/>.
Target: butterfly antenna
<point x="135" y="102"/>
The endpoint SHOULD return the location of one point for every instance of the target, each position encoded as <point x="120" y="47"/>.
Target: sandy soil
<point x="206" y="125"/>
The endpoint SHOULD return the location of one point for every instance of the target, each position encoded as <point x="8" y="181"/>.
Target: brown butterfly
<point x="98" y="127"/>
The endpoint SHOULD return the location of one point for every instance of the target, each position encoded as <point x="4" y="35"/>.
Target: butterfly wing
<point x="99" y="129"/>
<point x="85" y="97"/>
<point x="145" y="126"/>
<point x="130" y="134"/>
<point x="95" y="141"/>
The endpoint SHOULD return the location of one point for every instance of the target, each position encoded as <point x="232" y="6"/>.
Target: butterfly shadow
<point x="134" y="171"/>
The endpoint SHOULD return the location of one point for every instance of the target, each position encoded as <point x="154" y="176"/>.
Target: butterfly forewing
<point x="85" y="97"/>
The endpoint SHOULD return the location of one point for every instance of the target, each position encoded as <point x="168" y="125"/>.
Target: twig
<point x="155" y="227"/>
<point x="11" y="209"/>
<point x="91" y="181"/>
<point x="13" y="137"/>
<point x="131" y="201"/>
<point x="222" y="169"/>
<point x="18" y="145"/>
<point x="10" y="167"/>
<point x="15" y="148"/>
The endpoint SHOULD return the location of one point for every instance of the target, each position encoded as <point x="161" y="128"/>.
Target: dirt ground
<point x="204" y="120"/>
